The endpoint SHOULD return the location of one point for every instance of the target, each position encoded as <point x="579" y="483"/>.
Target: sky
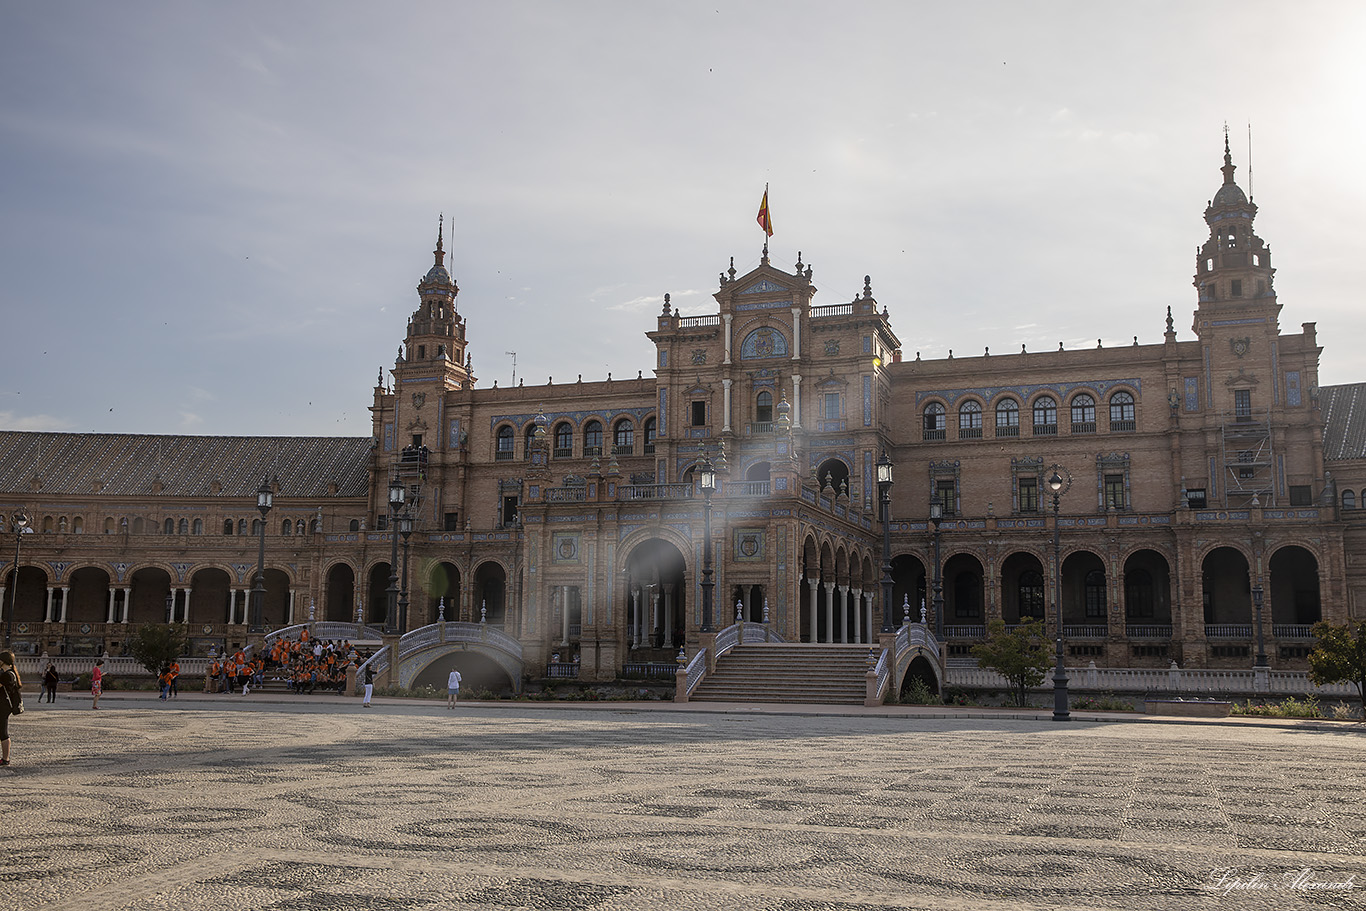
<point x="213" y="216"/>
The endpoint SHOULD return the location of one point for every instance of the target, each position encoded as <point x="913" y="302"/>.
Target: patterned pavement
<point x="218" y="804"/>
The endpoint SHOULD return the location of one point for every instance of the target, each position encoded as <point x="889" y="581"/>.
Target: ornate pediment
<point x="764" y="286"/>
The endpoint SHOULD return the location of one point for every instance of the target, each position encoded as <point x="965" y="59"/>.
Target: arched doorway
<point x="833" y="473"/>
<point x="377" y="595"/>
<point x="89" y="596"/>
<point x="1147" y="590"/>
<point x="963" y="604"/>
<point x="151" y="587"/>
<point x="340" y="598"/>
<point x="1085" y="601"/>
<point x="441" y="589"/>
<point x="1023" y="589"/>
<point x="1295" y="587"/>
<point x="910" y="591"/>
<point x="275" y="605"/>
<point x="657" y="597"/>
<point x="210" y="590"/>
<point x="490" y="594"/>
<point x="1225" y="589"/>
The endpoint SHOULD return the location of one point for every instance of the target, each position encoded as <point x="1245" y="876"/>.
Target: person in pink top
<point x="97" y="683"/>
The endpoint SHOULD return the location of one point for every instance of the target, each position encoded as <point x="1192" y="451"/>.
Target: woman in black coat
<point x="10" y="700"/>
<point x="50" y="683"/>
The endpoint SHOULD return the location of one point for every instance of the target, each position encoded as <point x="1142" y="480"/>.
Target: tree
<point x="1020" y="655"/>
<point x="157" y="645"/>
<point x="1340" y="655"/>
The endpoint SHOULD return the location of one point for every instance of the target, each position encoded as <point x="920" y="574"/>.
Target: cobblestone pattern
<point x="412" y="807"/>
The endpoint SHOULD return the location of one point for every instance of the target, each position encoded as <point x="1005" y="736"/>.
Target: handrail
<point x="882" y="669"/>
<point x="689" y="322"/>
<point x="326" y="629"/>
<point x="696" y="670"/>
<point x="378" y="662"/>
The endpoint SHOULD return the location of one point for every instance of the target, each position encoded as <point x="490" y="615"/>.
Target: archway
<point x="1084" y="597"/>
<point x="963" y="591"/>
<point x="657" y="596"/>
<point x="30" y="601"/>
<point x="377" y="595"/>
<point x="1295" y="587"/>
<point x="210" y="591"/>
<point x="1023" y="589"/>
<point x="275" y="604"/>
<point x="89" y="596"/>
<point x="1225" y="589"/>
<point x="1147" y="590"/>
<point x="921" y="669"/>
<point x="151" y="587"/>
<point x="910" y="591"/>
<point x="340" y="598"/>
<point x="833" y="473"/>
<point x="441" y="590"/>
<point x="490" y="594"/>
<point x="477" y="672"/>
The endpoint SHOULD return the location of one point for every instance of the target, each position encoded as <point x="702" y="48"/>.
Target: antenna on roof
<point x="1249" y="161"/>
<point x="514" y="366"/>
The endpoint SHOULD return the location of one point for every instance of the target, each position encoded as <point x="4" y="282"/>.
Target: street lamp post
<point x="708" y="488"/>
<point x="884" y="494"/>
<point x="1060" y="712"/>
<point x="396" y="495"/>
<point x="1261" y="644"/>
<point x="405" y="528"/>
<point x="264" y="500"/>
<point x="937" y="516"/>
<point x="19" y="523"/>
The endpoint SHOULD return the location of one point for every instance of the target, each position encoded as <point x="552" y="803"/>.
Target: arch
<point x="759" y="471"/>
<point x="30" y="601"/>
<point x="1349" y="499"/>
<point x="168" y="527"/>
<point x="197" y="528"/>
<point x="151" y="586"/>
<point x="1294" y="588"/>
<point x="1084" y="600"/>
<point x="963" y="593"/>
<point x="1023" y="588"/>
<point x="256" y="526"/>
<point x="78" y="525"/>
<point x="1007" y="417"/>
<point x="286" y="528"/>
<point x="763" y="342"/>
<point x="441" y="589"/>
<point x="592" y="439"/>
<point x="210" y="591"/>
<point x="490" y="593"/>
<point x="564" y="440"/>
<point x="109" y="525"/>
<point x="1122" y="410"/>
<point x="970" y="419"/>
<point x="504" y="442"/>
<point x="651" y="429"/>
<point x="1083" y="408"/>
<point x="1045" y="410"/>
<point x="833" y="473"/>
<point x="275" y="606"/>
<point x="910" y="589"/>
<point x="1147" y="589"/>
<point x="921" y="668"/>
<point x="377" y="594"/>
<point x="1226" y="591"/>
<point x="228" y="527"/>
<point x="933" y="421"/>
<point x="477" y="671"/>
<point x="763" y="407"/>
<point x="657" y="607"/>
<point x="353" y="525"/>
<point x="339" y="599"/>
<point x="138" y="525"/>
<point x="624" y="437"/>
<point x="88" y="595"/>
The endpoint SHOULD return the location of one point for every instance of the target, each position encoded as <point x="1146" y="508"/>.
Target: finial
<point x="1169" y="320"/>
<point x="987" y="353"/>
<point x="1097" y="343"/>
<point x="1228" y="167"/>
<point x="867" y="286"/>
<point x="440" y="253"/>
<point x="666" y="304"/>
<point x="1059" y="346"/>
<point x="731" y="271"/>
<point x="1022" y="348"/>
<point x="763" y="260"/>
<point x="799" y="262"/>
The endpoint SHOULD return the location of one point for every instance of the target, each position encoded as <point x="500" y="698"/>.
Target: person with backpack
<point x="50" y="679"/>
<point x="11" y="700"/>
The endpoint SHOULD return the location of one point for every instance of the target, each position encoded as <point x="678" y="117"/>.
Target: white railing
<point x="1150" y="631"/>
<point x="378" y="662"/>
<point x="748" y="488"/>
<point x="690" y="322"/>
<point x="31" y="667"/>
<point x="1293" y="630"/>
<point x="1085" y="631"/>
<point x="916" y="634"/>
<point x="696" y="670"/>
<point x="655" y="491"/>
<point x="418" y="639"/>
<point x="759" y="632"/>
<point x="453" y="631"/>
<point x="883" y="670"/>
<point x="832" y="310"/>
<point x="964" y="632"/>
<point x="326" y="630"/>
<point x="727" y="639"/>
<point x="1172" y="680"/>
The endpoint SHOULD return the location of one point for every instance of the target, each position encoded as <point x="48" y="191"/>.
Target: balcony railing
<point x="1123" y="426"/>
<point x="1045" y="430"/>
<point x="1007" y="430"/>
<point x="969" y="433"/>
<point x="934" y="435"/>
<point x="760" y="427"/>
<point x="1148" y="631"/>
<point x="566" y="452"/>
<point x="656" y="491"/>
<point x="832" y="310"/>
<point x="1083" y="426"/>
<point x="691" y="322"/>
<point x="503" y="455"/>
<point x="749" y="488"/>
<point x="1293" y="630"/>
<point x="624" y="449"/>
<point x="964" y="632"/>
<point x="566" y="495"/>
<point x="1228" y="630"/>
<point x="1085" y="631"/>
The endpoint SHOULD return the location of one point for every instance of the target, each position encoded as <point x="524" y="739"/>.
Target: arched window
<point x="592" y="439"/>
<point x="286" y="528"/>
<point x="970" y="420"/>
<point x="169" y="527"/>
<point x="1121" y="411"/>
<point x="137" y="526"/>
<point x="227" y="526"/>
<point x="763" y="407"/>
<point x="1095" y="595"/>
<point x="528" y="439"/>
<point x="184" y="528"/>
<point x="624" y="437"/>
<point x="1138" y="594"/>
<point x="1045" y="416"/>
<point x="241" y="526"/>
<point x="78" y="526"/>
<point x="198" y="527"/>
<point x="564" y="441"/>
<point x="256" y="527"/>
<point x="934" y="421"/>
<point x="1083" y="414"/>
<point x="1007" y="418"/>
<point x="47" y="525"/>
<point x="354" y="525"/>
<point x="109" y="525"/>
<point x="504" y="449"/>
<point x="649" y="435"/>
<point x="1031" y="595"/>
<point x="1349" y="500"/>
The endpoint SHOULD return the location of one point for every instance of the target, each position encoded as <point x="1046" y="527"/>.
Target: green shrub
<point x="1290" y="707"/>
<point x="1107" y="702"/>
<point x="918" y="692"/>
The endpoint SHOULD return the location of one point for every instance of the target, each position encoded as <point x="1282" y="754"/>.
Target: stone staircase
<point x="784" y="672"/>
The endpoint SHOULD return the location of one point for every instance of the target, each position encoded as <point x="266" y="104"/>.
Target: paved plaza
<point x="227" y="803"/>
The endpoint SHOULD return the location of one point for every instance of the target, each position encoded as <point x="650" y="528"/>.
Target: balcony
<point x="624" y="449"/>
<point x="1083" y="426"/>
<point x="1123" y="426"/>
<point x="965" y="632"/>
<point x="1008" y="430"/>
<point x="565" y="452"/>
<point x="1228" y="630"/>
<point x="969" y="433"/>
<point x="503" y="455"/>
<point x="749" y="488"/>
<point x="1045" y="430"/>
<point x="1303" y="631"/>
<point x="655" y="491"/>
<point x="1148" y="631"/>
<point x="760" y="428"/>
<point x="1085" y="631"/>
<point x="934" y="435"/>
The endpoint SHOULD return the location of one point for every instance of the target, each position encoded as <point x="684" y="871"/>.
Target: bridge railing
<point x="458" y="631"/>
<point x="696" y="670"/>
<point x="326" y="629"/>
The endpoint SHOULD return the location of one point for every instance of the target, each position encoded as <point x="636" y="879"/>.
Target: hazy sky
<point x="215" y="215"/>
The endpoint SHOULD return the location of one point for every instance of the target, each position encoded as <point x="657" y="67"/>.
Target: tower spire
<point x="439" y="253"/>
<point x="1229" y="167"/>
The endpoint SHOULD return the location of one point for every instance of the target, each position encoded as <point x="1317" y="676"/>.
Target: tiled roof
<point x="1344" y="421"/>
<point x="128" y="464"/>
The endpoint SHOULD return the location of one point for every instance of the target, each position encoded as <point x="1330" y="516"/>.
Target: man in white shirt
<point x="452" y="688"/>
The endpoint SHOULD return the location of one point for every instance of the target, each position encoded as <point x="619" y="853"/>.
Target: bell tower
<point x="1233" y="268"/>
<point x="433" y="351"/>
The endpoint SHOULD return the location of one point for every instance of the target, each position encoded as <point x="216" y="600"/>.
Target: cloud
<point x="11" y="421"/>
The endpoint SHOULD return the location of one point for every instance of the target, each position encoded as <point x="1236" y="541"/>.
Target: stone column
<point x="127" y="602"/>
<point x="796" y="400"/>
<point x="66" y="596"/>
<point x="725" y="335"/>
<point x="109" y="611"/>
<point x="656" y="615"/>
<point x="47" y="611"/>
<point x="829" y="589"/>
<point x="844" y="613"/>
<point x="812" y="584"/>
<point x="633" y="628"/>
<point x="858" y="614"/>
<point x="289" y="618"/>
<point x="564" y="615"/>
<point x="669" y="615"/>
<point x="725" y="406"/>
<point x="796" y="333"/>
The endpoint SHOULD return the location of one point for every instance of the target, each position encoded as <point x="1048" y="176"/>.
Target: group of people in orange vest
<point x="305" y="664"/>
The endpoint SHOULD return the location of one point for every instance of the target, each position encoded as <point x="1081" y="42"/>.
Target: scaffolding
<point x="1249" y="459"/>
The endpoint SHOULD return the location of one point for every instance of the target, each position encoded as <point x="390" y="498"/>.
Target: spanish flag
<point x="765" y="220"/>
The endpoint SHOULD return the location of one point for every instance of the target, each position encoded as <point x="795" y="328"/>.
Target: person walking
<point x="50" y="683"/>
<point x="11" y="700"/>
<point x="96" y="683"/>
<point x="175" y="675"/>
<point x="452" y="688"/>
<point x="369" y="685"/>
